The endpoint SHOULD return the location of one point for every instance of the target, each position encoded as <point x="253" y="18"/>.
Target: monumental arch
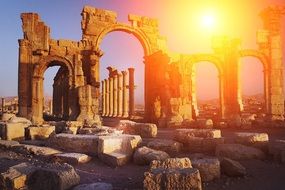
<point x="170" y="94"/>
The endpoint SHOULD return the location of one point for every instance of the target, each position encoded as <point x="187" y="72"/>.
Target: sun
<point x="208" y="21"/>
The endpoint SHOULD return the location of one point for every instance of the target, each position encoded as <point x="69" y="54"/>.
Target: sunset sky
<point x="181" y="21"/>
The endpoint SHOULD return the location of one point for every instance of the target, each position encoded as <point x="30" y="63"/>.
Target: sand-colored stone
<point x="171" y="163"/>
<point x="172" y="173"/>
<point x="40" y="132"/>
<point x="61" y="177"/>
<point x="170" y="146"/>
<point x="144" y="155"/>
<point x="12" y="131"/>
<point x="87" y="144"/>
<point x="209" y="168"/>
<point x="117" y="150"/>
<point x="72" y="158"/>
<point x="16" y="177"/>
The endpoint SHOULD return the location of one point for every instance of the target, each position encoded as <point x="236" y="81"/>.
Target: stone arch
<point x="140" y="35"/>
<point x="54" y="60"/>
<point x="37" y="82"/>
<point x="195" y="58"/>
<point x="265" y="62"/>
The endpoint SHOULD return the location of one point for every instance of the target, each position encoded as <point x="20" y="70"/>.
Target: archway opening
<point x="123" y="51"/>
<point x="207" y="100"/>
<point x="56" y="92"/>
<point x="252" y="85"/>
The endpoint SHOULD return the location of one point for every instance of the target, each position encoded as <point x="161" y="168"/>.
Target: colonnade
<point x="118" y="94"/>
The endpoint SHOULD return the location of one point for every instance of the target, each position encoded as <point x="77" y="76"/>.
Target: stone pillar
<point x="120" y="95"/>
<point x="107" y="91"/>
<point x="115" y="95"/>
<point x="194" y="106"/>
<point x="271" y="45"/>
<point x="37" y="100"/>
<point x="3" y="104"/>
<point x="111" y="98"/>
<point x="103" y="98"/>
<point x="222" y="96"/>
<point x="131" y="92"/>
<point x="50" y="107"/>
<point x="125" y="95"/>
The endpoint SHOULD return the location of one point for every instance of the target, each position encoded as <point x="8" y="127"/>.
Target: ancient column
<point x="106" y="97"/>
<point x="3" y="104"/>
<point x="115" y="95"/>
<point x="111" y="98"/>
<point x="103" y="98"/>
<point x="50" y="107"/>
<point x="120" y="95"/>
<point x="131" y="92"/>
<point x="271" y="45"/>
<point x="125" y="95"/>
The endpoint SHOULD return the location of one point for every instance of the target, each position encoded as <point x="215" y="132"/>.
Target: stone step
<point x="115" y="159"/>
<point x="72" y="158"/>
<point x="86" y="144"/>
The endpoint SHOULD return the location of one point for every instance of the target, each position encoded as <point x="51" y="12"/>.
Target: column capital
<point x="124" y="73"/>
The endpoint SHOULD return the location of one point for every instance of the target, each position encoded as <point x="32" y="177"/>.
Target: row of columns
<point x="118" y="94"/>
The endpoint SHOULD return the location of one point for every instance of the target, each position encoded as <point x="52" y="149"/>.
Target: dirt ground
<point x="261" y="175"/>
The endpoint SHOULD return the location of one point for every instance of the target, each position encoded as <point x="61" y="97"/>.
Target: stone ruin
<point x="170" y="100"/>
<point x="170" y="92"/>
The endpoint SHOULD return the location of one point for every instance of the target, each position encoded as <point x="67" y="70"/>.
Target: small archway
<point x="196" y="58"/>
<point x="144" y="42"/>
<point x="37" y="82"/>
<point x="206" y="81"/>
<point x="265" y="64"/>
<point x="123" y="51"/>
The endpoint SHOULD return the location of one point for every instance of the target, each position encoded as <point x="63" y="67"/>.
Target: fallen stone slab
<point x="144" y="155"/>
<point x="204" y="123"/>
<point x="35" y="150"/>
<point x="146" y="130"/>
<point x="12" y="131"/>
<point x="7" y="116"/>
<point x="171" y="163"/>
<point x="169" y="179"/>
<point x="198" y="144"/>
<point x="117" y="150"/>
<point x="4" y="144"/>
<point x="72" y="158"/>
<point x="39" y="132"/>
<point x="209" y="168"/>
<point x="53" y="176"/>
<point x="232" y="168"/>
<point x="171" y="147"/>
<point x="22" y="120"/>
<point x="16" y="176"/>
<point x="115" y="159"/>
<point x="86" y="144"/>
<point x="101" y="131"/>
<point x="252" y="139"/>
<point x="239" y="152"/>
<point x="182" y="134"/>
<point x="94" y="186"/>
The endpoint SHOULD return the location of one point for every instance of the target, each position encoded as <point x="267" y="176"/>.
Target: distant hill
<point x="259" y="97"/>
